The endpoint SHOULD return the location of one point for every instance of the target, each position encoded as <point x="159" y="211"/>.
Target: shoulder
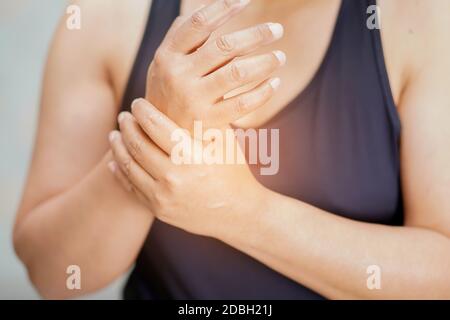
<point x="99" y="24"/>
<point x="108" y="38"/>
<point x="421" y="29"/>
<point x="102" y="13"/>
<point x="417" y="41"/>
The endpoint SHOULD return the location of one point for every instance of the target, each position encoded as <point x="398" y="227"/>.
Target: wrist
<point x="250" y="218"/>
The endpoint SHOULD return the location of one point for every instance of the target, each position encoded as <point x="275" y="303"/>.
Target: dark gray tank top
<point x="339" y="142"/>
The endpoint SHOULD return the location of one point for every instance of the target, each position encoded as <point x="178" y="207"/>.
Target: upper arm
<point x="78" y="109"/>
<point x="425" y="116"/>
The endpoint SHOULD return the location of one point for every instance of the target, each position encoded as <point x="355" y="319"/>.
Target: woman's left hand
<point x="199" y="198"/>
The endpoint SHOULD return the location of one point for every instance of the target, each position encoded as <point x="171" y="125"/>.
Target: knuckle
<point x="199" y="20"/>
<point x="178" y="21"/>
<point x="262" y="32"/>
<point x="173" y="71"/>
<point x="169" y="181"/>
<point x="159" y="57"/>
<point x="237" y="73"/>
<point x="135" y="147"/>
<point x="173" y="179"/>
<point x="171" y="77"/>
<point x="225" y="44"/>
<point x="160" y="200"/>
<point x="149" y="123"/>
<point x="228" y="4"/>
<point x="126" y="166"/>
<point x="241" y="105"/>
<point x="168" y="64"/>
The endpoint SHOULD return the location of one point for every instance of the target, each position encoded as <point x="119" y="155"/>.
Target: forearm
<point x="330" y="254"/>
<point x="95" y="225"/>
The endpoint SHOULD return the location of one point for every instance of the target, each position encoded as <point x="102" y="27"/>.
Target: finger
<point x="118" y="174"/>
<point x="196" y="30"/>
<point x="241" y="72"/>
<point x="149" y="156"/>
<point x="138" y="177"/>
<point x="223" y="49"/>
<point x="234" y="108"/>
<point x="156" y="125"/>
<point x="126" y="184"/>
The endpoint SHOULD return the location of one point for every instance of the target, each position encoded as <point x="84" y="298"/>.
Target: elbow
<point x="22" y="247"/>
<point x="48" y="289"/>
<point x="49" y="285"/>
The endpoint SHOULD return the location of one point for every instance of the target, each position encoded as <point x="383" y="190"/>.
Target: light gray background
<point x="26" y="27"/>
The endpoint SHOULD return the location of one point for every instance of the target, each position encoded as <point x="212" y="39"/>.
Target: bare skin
<point x="74" y="210"/>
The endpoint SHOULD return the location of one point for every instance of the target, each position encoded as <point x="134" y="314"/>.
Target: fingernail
<point x="113" y="135"/>
<point x="133" y="104"/>
<point x="275" y="83"/>
<point x="112" y="165"/>
<point x="121" y="117"/>
<point x="276" y="29"/>
<point x="281" y="56"/>
<point x="137" y="101"/>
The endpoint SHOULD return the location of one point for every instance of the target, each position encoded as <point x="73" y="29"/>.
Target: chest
<point x="308" y="33"/>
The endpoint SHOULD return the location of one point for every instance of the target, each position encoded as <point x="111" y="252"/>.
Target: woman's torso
<point x="338" y="151"/>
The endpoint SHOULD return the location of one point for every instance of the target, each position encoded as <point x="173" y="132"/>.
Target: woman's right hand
<point x="192" y="70"/>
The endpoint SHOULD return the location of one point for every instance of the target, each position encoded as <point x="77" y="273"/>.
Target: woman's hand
<point x="193" y="71"/>
<point x="199" y="198"/>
